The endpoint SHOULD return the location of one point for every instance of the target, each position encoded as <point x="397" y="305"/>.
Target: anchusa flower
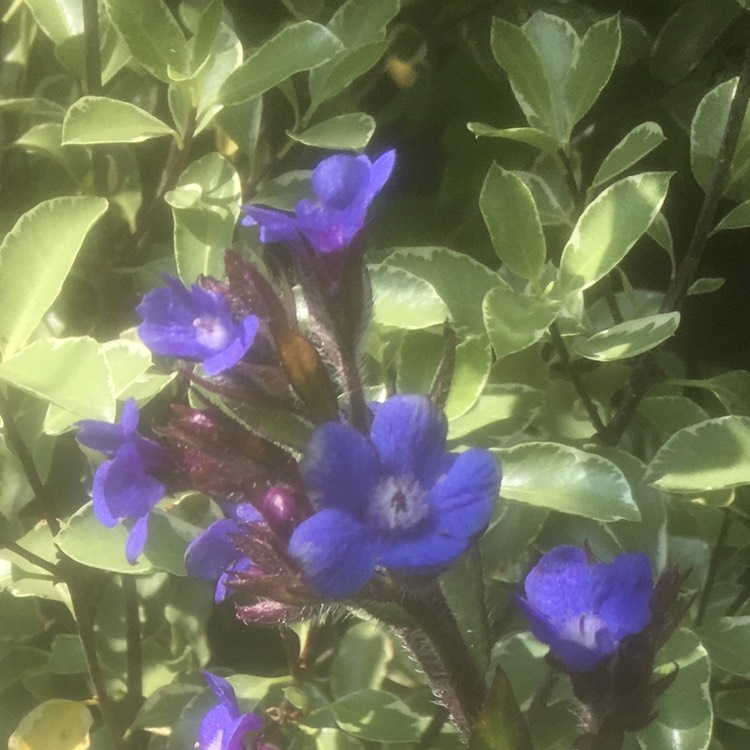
<point x="395" y="500"/>
<point x="126" y="487"/>
<point x="344" y="186"/>
<point x="195" y="324"/>
<point x="604" y="623"/>
<point x="225" y="727"/>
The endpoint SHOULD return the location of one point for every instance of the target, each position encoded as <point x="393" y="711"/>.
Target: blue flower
<point x="224" y="726"/>
<point x="581" y="609"/>
<point x="214" y="555"/>
<point x="194" y="324"/>
<point x="395" y="500"/>
<point x="344" y="186"/>
<point x="124" y="487"/>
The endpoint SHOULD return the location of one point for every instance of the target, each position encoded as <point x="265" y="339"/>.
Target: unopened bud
<point x="281" y="509"/>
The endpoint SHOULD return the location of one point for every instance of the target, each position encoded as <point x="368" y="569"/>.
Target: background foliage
<point x="566" y="194"/>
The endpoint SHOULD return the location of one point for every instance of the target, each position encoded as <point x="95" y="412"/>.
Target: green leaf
<point x="71" y="373"/>
<point x="299" y="47"/>
<point x="609" y="227"/>
<point x="163" y="707"/>
<point x="461" y="281"/>
<point x="557" y="44"/>
<point x="403" y="300"/>
<point x="521" y="61"/>
<point x="331" y="78"/>
<point x="706" y="285"/>
<point x="593" y="67"/>
<point x="565" y="479"/>
<point x="54" y="725"/>
<point x="358" y="22"/>
<point x="671" y="413"/>
<point x="21" y="663"/>
<point x="505" y="408"/>
<point x="470" y="373"/>
<point x="350" y="132"/>
<point x="737" y="218"/>
<point x="66" y="656"/>
<point x="685" y="714"/>
<point x="515" y="321"/>
<point x="58" y="19"/>
<point x="727" y="641"/>
<point x="639" y="142"/>
<point x="90" y="543"/>
<point x="628" y="339"/>
<point x="376" y="715"/>
<point x="687" y="36"/>
<point x="706" y="134"/>
<point x="97" y="119"/>
<point x="661" y="234"/>
<point x="205" y="206"/>
<point x="35" y="257"/>
<point x="710" y="455"/>
<point x="731" y="388"/>
<point x="501" y="725"/>
<point x="531" y="136"/>
<point x="512" y="219"/>
<point x="152" y="35"/>
<point x="361" y="659"/>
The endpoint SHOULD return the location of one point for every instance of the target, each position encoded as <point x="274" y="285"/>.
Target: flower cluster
<point x="125" y="488"/>
<point x="344" y="187"/>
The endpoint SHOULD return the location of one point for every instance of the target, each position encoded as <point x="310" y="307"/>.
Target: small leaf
<point x="299" y="47"/>
<point x="609" y="227"/>
<point x="152" y="35"/>
<point x="531" y="136"/>
<point x="54" y="725"/>
<point x="71" y="373"/>
<point x="501" y="725"/>
<point x="358" y="22"/>
<point x="727" y="641"/>
<point x="520" y="60"/>
<point x="515" y="321"/>
<point x="35" y="258"/>
<point x="376" y="715"/>
<point x="593" y="67"/>
<point x="512" y="219"/>
<point x="97" y="119"/>
<point x="60" y="20"/>
<point x="403" y="300"/>
<point x="350" y="132"/>
<point x="737" y="218"/>
<point x="661" y="234"/>
<point x="565" y="479"/>
<point x="628" y="339"/>
<point x="711" y="455"/>
<point x="639" y="142"/>
<point x="705" y="285"/>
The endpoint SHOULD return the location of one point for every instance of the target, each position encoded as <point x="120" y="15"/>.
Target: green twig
<point x="17" y="549"/>
<point x="94" y="84"/>
<point x="713" y="567"/>
<point x="433" y="729"/>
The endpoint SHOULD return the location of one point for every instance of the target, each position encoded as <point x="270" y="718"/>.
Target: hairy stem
<point x="713" y="567"/>
<point x="94" y="84"/>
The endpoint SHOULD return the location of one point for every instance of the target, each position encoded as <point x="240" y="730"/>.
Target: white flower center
<point x="211" y="333"/>
<point x="583" y="630"/>
<point x="399" y="503"/>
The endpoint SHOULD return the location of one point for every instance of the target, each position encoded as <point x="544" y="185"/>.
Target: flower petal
<point x="275" y="226"/>
<point x="211" y="553"/>
<point x="340" y="469"/>
<point x="463" y="499"/>
<point x="236" y="731"/>
<point x="100" y="436"/>
<point x="341" y="180"/>
<point x="211" y="730"/>
<point x="232" y="354"/>
<point x="621" y="591"/>
<point x="559" y="585"/>
<point x="409" y="434"/>
<point x="224" y="692"/>
<point x="137" y="539"/>
<point x="335" y="552"/>
<point x="426" y="552"/>
<point x="380" y="172"/>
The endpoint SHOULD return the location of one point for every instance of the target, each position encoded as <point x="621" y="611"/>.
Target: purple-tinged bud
<point x="281" y="509"/>
<point x="267" y="613"/>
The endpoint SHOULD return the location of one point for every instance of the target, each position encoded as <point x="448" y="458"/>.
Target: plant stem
<point x="432" y="730"/>
<point x="645" y="370"/>
<point x="575" y="378"/>
<point x="94" y="84"/>
<point x="133" y="638"/>
<point x="713" y="567"/>
<point x="541" y="697"/>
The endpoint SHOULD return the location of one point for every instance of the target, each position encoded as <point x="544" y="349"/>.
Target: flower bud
<point x="281" y="509"/>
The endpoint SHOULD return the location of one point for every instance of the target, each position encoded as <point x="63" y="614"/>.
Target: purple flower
<point x="395" y="500"/>
<point x="224" y="727"/>
<point x="194" y="324"/>
<point x="214" y="555"/>
<point x="344" y="186"/>
<point x="581" y="609"/>
<point x="124" y="488"/>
